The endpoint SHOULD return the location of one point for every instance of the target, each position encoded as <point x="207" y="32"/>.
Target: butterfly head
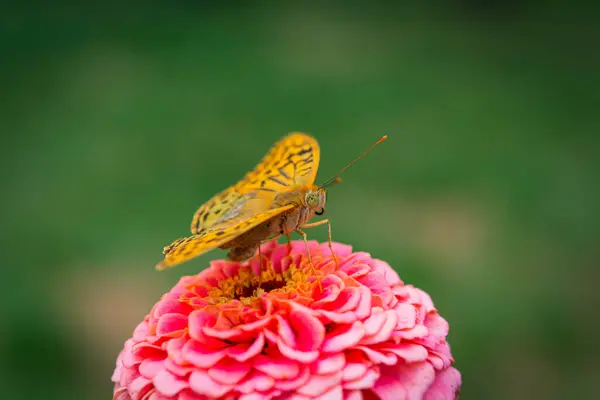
<point x="315" y="199"/>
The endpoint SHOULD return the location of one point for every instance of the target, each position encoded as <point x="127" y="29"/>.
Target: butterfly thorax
<point x="312" y="196"/>
<point x="302" y="198"/>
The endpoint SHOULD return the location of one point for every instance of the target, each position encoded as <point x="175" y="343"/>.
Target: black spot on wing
<point x="278" y="181"/>
<point x="283" y="173"/>
<point x="304" y="151"/>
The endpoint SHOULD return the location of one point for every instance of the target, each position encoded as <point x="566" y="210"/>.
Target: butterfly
<point x="276" y="198"/>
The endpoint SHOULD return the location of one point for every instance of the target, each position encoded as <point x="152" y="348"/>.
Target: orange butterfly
<point x="276" y="198"/>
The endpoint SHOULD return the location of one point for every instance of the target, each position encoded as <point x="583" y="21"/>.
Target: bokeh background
<point x="118" y="120"/>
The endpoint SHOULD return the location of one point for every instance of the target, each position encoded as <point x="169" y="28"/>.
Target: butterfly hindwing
<point x="189" y="247"/>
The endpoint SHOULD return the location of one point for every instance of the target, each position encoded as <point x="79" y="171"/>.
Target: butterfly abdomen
<point x="246" y="245"/>
<point x="291" y="220"/>
<point x="242" y="253"/>
<point x="258" y="233"/>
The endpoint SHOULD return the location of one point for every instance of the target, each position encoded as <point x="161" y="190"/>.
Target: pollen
<point x="248" y="287"/>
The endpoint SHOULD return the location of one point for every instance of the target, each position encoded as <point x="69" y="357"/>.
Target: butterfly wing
<point x="186" y="248"/>
<point x="293" y="160"/>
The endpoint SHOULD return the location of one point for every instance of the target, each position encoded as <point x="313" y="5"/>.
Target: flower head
<point x="246" y="331"/>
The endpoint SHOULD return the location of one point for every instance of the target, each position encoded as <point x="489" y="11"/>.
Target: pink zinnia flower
<point x="228" y="333"/>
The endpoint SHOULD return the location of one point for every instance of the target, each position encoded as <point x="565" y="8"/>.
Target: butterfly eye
<point x="320" y="212"/>
<point x="312" y="200"/>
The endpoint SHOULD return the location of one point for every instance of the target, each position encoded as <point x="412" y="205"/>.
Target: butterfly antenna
<point x="336" y="178"/>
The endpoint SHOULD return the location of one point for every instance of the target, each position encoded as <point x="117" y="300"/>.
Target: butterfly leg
<point x="312" y="266"/>
<point x="290" y="247"/>
<point x="261" y="266"/>
<point x="267" y="240"/>
<point x="321" y="222"/>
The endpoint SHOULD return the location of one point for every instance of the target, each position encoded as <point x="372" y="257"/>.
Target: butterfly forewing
<point x="189" y="247"/>
<point x="293" y="160"/>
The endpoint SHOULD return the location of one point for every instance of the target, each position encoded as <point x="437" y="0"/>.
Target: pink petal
<point x="277" y="367"/>
<point x="117" y="372"/>
<point x="177" y="369"/>
<point x="149" y="367"/>
<point x="256" y="325"/>
<point x="201" y="383"/>
<point x="168" y="384"/>
<point x="418" y="331"/>
<point x="337" y="393"/>
<point x="252" y="396"/>
<point x="170" y="307"/>
<point x="224" y="334"/>
<point x="189" y="395"/>
<point x="340" y="250"/>
<point x="377" y="357"/>
<point x="355" y="259"/>
<point x="156" y="396"/>
<point x="343" y="337"/>
<point x="446" y="385"/>
<point x="390" y="276"/>
<point x="407" y="315"/>
<point x="198" y="320"/>
<point x="339" y="318"/>
<point x="353" y="371"/>
<point x="285" y="332"/>
<point x="296" y="396"/>
<point x="139" y="387"/>
<point x="229" y="372"/>
<point x="425" y="300"/>
<point x="353" y="395"/>
<point x="367" y="381"/>
<point x="127" y="376"/>
<point x="256" y="382"/>
<point x="121" y="394"/>
<point x="170" y="324"/>
<point x="388" y="388"/>
<point x="409" y="352"/>
<point x="302" y="356"/>
<point x="319" y="384"/>
<point x="196" y="354"/>
<point x="378" y="286"/>
<point x="141" y="331"/>
<point x="270" y="336"/>
<point x="356" y="271"/>
<point x="414" y="379"/>
<point x="310" y="331"/>
<point x="347" y="300"/>
<point x="385" y="331"/>
<point x="293" y="384"/>
<point x="363" y="309"/>
<point x="332" y="286"/>
<point x="436" y="325"/>
<point x="375" y="322"/>
<point x="243" y="352"/>
<point x="328" y="365"/>
<point x="175" y="347"/>
<point x="441" y="358"/>
<point x="146" y="350"/>
<point x="128" y="359"/>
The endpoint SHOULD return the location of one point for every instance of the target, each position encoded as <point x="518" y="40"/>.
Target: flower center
<point x="247" y="286"/>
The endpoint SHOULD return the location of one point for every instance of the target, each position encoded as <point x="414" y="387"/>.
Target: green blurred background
<point x="118" y="120"/>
